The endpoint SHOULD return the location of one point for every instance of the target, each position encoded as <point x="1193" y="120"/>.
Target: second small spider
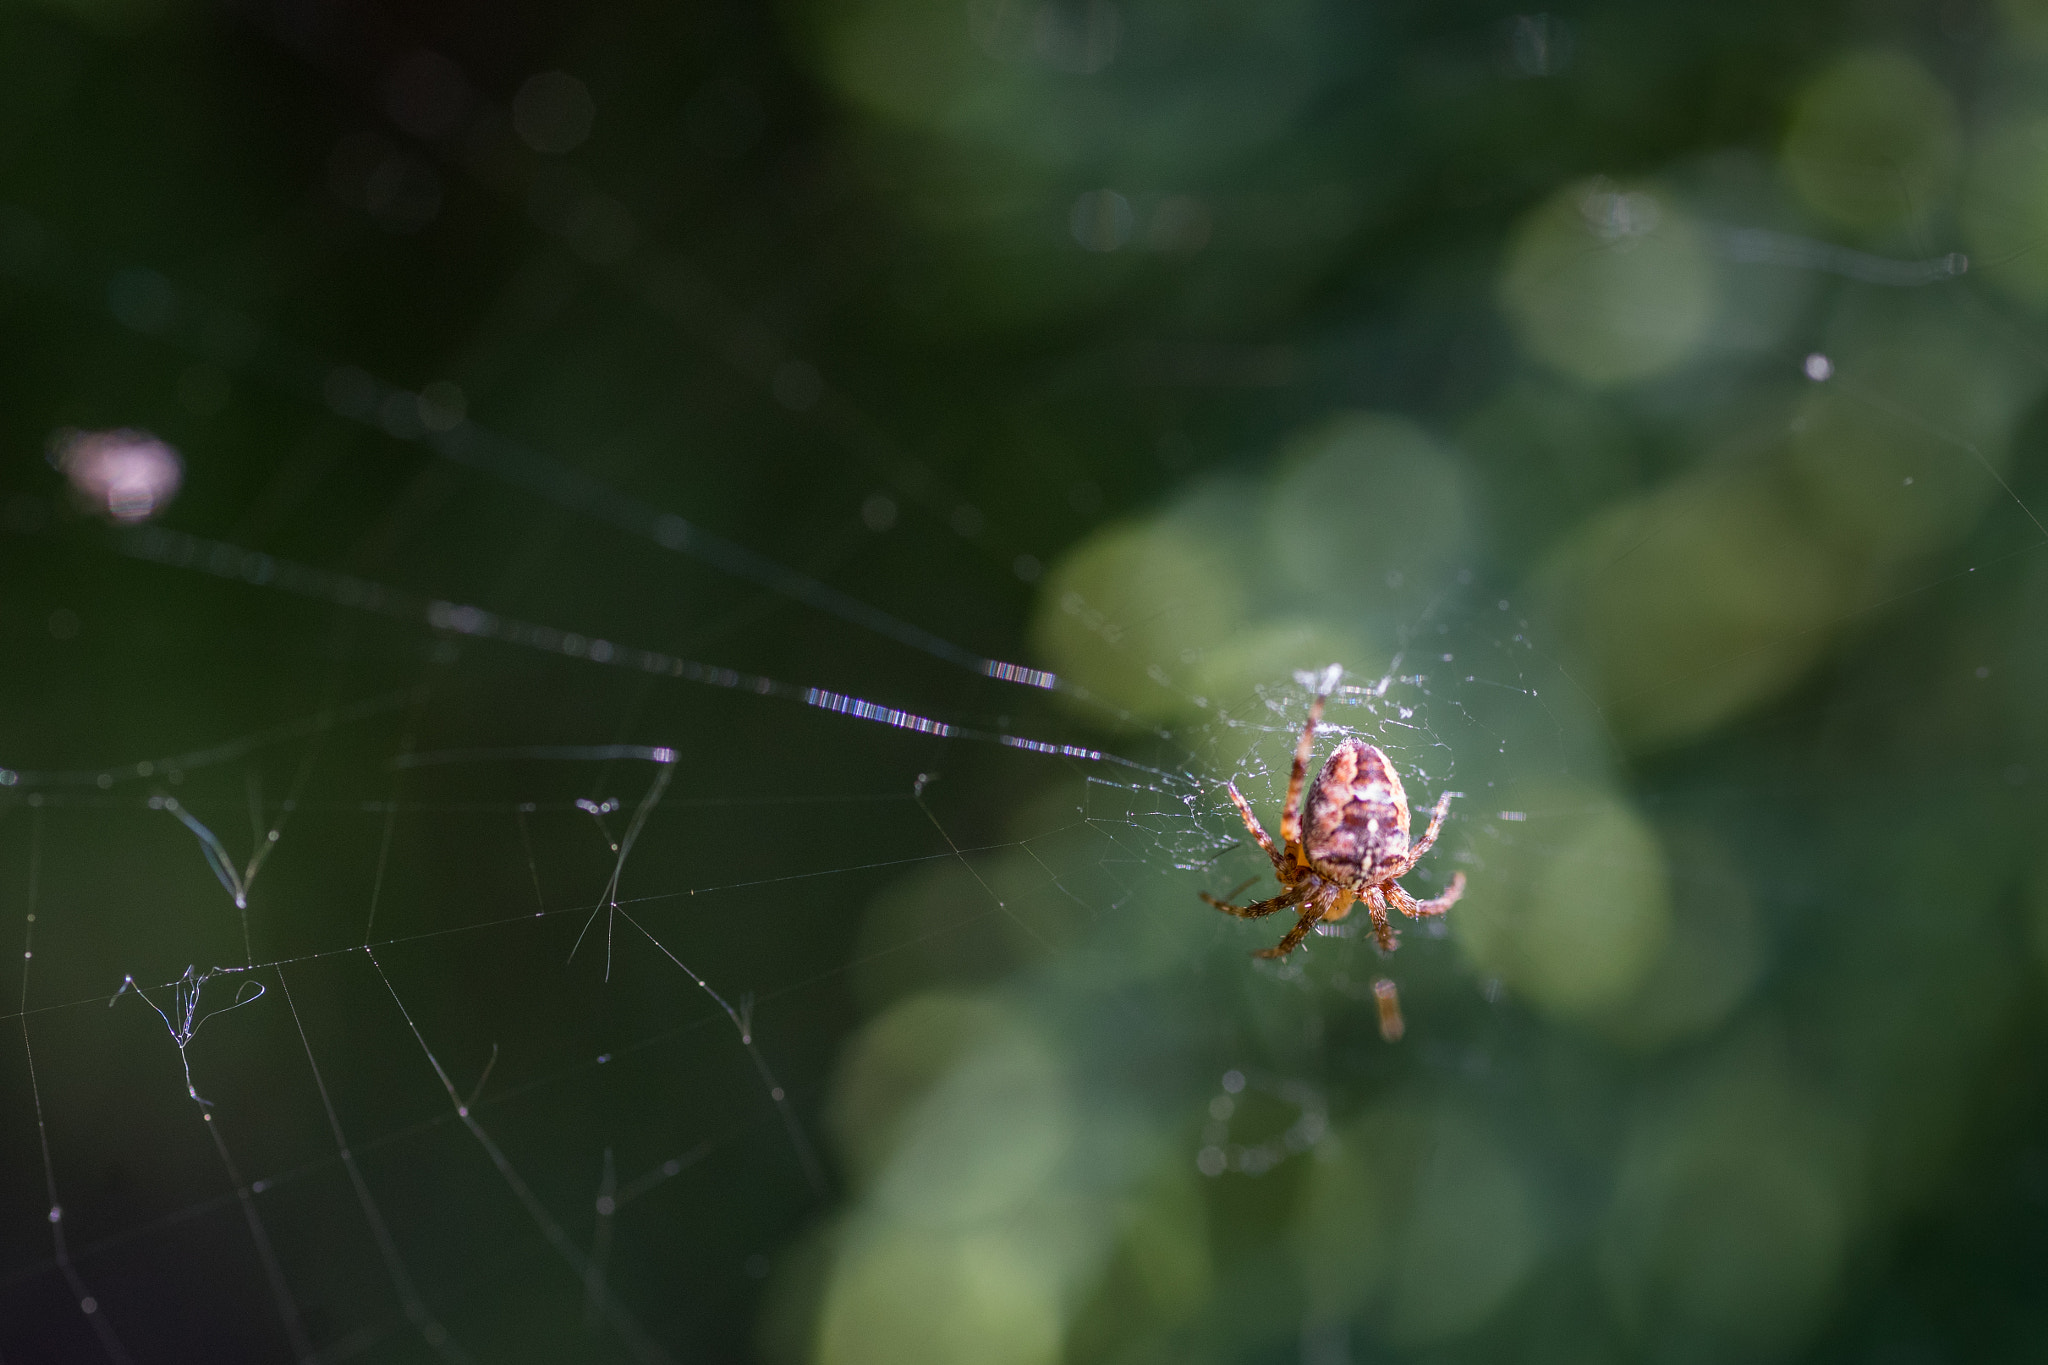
<point x="1354" y="846"/>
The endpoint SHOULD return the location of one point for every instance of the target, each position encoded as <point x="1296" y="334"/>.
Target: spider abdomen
<point x="1355" y="828"/>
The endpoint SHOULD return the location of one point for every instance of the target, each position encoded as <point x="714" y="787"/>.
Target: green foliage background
<point x="1680" y="365"/>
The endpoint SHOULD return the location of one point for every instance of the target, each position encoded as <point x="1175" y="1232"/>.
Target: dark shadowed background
<point x="622" y="630"/>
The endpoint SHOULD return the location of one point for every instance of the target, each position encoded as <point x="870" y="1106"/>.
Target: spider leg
<point x="1388" y="996"/>
<point x="1251" y="822"/>
<point x="1234" y="892"/>
<point x="1416" y="909"/>
<point x="1376" y="906"/>
<point x="1422" y="845"/>
<point x="1257" y="909"/>
<point x="1290" y="814"/>
<point x="1310" y="914"/>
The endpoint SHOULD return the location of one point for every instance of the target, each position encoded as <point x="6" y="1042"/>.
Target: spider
<point x="1356" y="844"/>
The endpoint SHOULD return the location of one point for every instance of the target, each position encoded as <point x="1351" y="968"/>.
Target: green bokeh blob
<point x="1416" y="1215"/>
<point x="1231" y="675"/>
<point x="1905" y="449"/>
<point x="1873" y="140"/>
<point x="1159" y="1276"/>
<point x="1694" y="603"/>
<point x="1883" y="487"/>
<point x="972" y="1299"/>
<point x="1731" y="1215"/>
<point x="1713" y="955"/>
<point x="1363" y="504"/>
<point x="1129" y="613"/>
<point x="2005" y="206"/>
<point x="1608" y="284"/>
<point x="892" y="1065"/>
<point x="1576" y="917"/>
<point x="1068" y="84"/>
<point x="988" y="1137"/>
<point x="2026" y="23"/>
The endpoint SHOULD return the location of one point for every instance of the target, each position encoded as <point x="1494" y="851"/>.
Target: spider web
<point x="443" y="997"/>
<point x="473" y="987"/>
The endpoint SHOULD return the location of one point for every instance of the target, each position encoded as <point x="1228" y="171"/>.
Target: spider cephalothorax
<point x="1353" y="848"/>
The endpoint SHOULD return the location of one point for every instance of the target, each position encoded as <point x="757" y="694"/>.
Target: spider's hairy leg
<point x="1382" y="929"/>
<point x="1290" y="814"/>
<point x="1416" y="909"/>
<point x="1422" y="845"/>
<point x="1234" y="892"/>
<point x="1257" y="909"/>
<point x="1310" y="914"/>
<point x="1388" y="997"/>
<point x="1251" y="822"/>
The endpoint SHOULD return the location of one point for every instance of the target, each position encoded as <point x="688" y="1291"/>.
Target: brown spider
<point x="1356" y="845"/>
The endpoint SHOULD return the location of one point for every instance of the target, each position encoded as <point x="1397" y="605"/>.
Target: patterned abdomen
<point x="1356" y="826"/>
